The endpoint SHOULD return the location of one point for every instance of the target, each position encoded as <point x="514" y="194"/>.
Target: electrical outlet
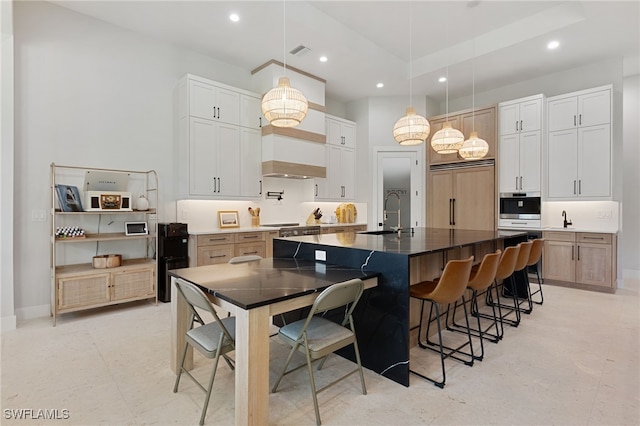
<point x="38" y="215"/>
<point x="321" y="255"/>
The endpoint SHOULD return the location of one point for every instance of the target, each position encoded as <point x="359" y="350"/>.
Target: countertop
<point x="561" y="229"/>
<point x="422" y="241"/>
<point x="266" y="228"/>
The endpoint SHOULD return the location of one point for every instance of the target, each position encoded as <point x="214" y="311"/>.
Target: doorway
<point x="397" y="190"/>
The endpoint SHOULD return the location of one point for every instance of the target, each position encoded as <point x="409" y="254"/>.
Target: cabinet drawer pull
<point x="516" y="125"/>
<point x="218" y="256"/>
<point x="579" y="186"/>
<point x="593" y="238"/>
<point x="574" y="187"/>
<point x="572" y="252"/>
<point x="454" y="213"/>
<point x="249" y="252"/>
<point x="249" y="237"/>
<point x="217" y="239"/>
<point x="580" y="120"/>
<point x="578" y="252"/>
<point x="520" y="125"/>
<point x="574" y="120"/>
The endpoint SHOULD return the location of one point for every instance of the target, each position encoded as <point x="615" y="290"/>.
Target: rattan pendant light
<point x="473" y="148"/>
<point x="447" y="140"/>
<point x="283" y="105"/>
<point x="412" y="129"/>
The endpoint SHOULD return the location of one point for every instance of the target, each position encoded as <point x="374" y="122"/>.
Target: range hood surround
<point x="293" y="153"/>
<point x="297" y="152"/>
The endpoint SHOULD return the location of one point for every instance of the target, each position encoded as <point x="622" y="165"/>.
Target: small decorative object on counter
<point x="107" y="261"/>
<point x="142" y="203"/>
<point x="346" y="213"/>
<point x="255" y="216"/>
<point x="69" y="232"/>
<point x="314" y="217"/>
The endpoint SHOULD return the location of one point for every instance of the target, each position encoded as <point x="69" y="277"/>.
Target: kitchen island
<point x="384" y="317"/>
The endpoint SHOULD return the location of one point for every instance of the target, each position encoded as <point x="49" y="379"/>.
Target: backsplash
<point x="592" y="215"/>
<point x="296" y="205"/>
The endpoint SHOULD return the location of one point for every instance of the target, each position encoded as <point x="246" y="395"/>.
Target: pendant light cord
<point x="473" y="76"/>
<point x="447" y="76"/>
<point x="284" y="36"/>
<point x="410" y="55"/>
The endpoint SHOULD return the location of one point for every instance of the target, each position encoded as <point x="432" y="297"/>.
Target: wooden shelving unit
<point x="75" y="284"/>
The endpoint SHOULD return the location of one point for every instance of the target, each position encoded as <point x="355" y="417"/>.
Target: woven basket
<point x="107" y="261"/>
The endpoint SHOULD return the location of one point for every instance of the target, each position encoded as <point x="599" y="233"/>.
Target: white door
<point x="594" y="108"/>
<point x="530" y="161"/>
<point x="508" y="172"/>
<point x="563" y="164"/>
<point x="399" y="171"/>
<point x="594" y="161"/>
<point x="530" y="112"/>
<point x="563" y="113"/>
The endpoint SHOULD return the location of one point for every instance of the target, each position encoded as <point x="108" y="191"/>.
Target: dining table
<point x="254" y="292"/>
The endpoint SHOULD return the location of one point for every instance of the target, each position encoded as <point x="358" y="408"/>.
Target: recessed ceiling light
<point x="323" y="59"/>
<point x="380" y="85"/>
<point x="234" y="17"/>
<point x="553" y="45"/>
<point x="442" y="79"/>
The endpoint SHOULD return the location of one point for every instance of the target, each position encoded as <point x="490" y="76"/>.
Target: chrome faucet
<point x="566" y="222"/>
<point x="397" y="212"/>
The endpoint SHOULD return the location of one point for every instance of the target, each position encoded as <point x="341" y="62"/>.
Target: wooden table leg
<point x="179" y="326"/>
<point x="252" y="366"/>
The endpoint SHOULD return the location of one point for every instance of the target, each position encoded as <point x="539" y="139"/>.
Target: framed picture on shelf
<point x="69" y="198"/>
<point x="228" y="219"/>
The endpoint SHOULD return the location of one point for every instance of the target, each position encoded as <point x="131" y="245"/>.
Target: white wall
<point x="7" y="313"/>
<point x="89" y="94"/>
<point x="629" y="252"/>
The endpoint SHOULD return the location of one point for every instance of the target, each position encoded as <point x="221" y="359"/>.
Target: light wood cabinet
<point x="220" y="149"/>
<point x="75" y="284"/>
<point x="343" y="229"/>
<point x="582" y="258"/>
<point x="212" y="249"/>
<point x="462" y="198"/>
<point x="520" y="145"/>
<point x="579" y="144"/>
<point x="482" y="119"/>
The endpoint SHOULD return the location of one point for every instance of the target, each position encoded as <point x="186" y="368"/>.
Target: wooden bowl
<point x="107" y="261"/>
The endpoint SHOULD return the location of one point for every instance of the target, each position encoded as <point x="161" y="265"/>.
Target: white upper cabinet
<point x="520" y="145"/>
<point x="214" y="103"/>
<point x="586" y="109"/>
<point x="340" y="154"/>
<point x="579" y="145"/>
<point x="521" y="115"/>
<point x="220" y="143"/>
<point x="340" y="132"/>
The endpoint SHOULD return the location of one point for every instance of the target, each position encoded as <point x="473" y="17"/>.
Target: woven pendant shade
<point x="474" y="148"/>
<point x="412" y="129"/>
<point x="284" y="106"/>
<point x="447" y="140"/>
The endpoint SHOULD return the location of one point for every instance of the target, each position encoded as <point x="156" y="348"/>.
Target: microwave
<point x="523" y="206"/>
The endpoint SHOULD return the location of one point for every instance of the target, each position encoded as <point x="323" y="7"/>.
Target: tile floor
<point x="574" y="361"/>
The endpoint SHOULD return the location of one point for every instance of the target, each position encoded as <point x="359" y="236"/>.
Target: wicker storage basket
<point x="107" y="261"/>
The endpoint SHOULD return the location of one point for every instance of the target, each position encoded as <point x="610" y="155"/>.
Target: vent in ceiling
<point x="300" y="50"/>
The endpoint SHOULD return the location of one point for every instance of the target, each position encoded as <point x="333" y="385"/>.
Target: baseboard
<point x="31" y="312"/>
<point x="631" y="273"/>
<point x="8" y="323"/>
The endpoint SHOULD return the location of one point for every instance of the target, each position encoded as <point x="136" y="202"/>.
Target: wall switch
<point x="321" y="255"/>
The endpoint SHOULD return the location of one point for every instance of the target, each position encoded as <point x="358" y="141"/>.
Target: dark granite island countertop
<point x="382" y="315"/>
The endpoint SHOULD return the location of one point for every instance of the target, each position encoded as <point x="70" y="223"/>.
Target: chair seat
<point x="206" y="337"/>
<point x="423" y="290"/>
<point x="323" y="336"/>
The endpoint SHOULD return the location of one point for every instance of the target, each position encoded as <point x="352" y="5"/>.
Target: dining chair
<point x="448" y="289"/>
<point x="213" y="339"/>
<point x="481" y="281"/>
<point x="317" y="337"/>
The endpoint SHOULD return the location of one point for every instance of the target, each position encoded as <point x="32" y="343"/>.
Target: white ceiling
<point x="368" y="41"/>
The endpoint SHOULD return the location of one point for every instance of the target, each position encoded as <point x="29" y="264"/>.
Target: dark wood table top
<point x="253" y="284"/>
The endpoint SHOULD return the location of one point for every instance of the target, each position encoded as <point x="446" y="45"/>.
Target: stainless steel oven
<point x="520" y="210"/>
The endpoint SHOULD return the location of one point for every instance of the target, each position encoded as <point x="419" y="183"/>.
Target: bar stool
<point x="480" y="282"/>
<point x="447" y="290"/>
<point x="505" y="269"/>
<point x="534" y="258"/>
<point x="520" y="269"/>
